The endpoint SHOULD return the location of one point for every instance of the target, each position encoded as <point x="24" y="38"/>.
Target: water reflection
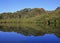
<point x="13" y="37"/>
<point x="29" y="29"/>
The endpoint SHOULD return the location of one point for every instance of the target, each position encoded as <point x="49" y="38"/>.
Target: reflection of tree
<point x="22" y="30"/>
<point x="36" y="29"/>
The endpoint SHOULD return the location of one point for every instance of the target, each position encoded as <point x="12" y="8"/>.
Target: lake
<point x="29" y="33"/>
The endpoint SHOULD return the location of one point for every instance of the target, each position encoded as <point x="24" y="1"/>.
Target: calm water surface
<point x="30" y="33"/>
<point x="13" y="37"/>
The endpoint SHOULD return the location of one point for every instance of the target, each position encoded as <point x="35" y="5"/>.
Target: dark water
<point x="29" y="33"/>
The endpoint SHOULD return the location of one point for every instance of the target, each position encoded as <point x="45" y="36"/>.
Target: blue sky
<point x="15" y="5"/>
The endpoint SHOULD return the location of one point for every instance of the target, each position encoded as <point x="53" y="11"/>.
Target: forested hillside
<point x="31" y="15"/>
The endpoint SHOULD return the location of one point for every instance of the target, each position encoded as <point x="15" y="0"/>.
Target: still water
<point x="29" y="33"/>
<point x="13" y="37"/>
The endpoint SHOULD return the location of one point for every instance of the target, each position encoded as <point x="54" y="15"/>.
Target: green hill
<point x="31" y="15"/>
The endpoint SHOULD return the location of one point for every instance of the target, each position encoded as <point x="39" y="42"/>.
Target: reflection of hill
<point x="31" y="28"/>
